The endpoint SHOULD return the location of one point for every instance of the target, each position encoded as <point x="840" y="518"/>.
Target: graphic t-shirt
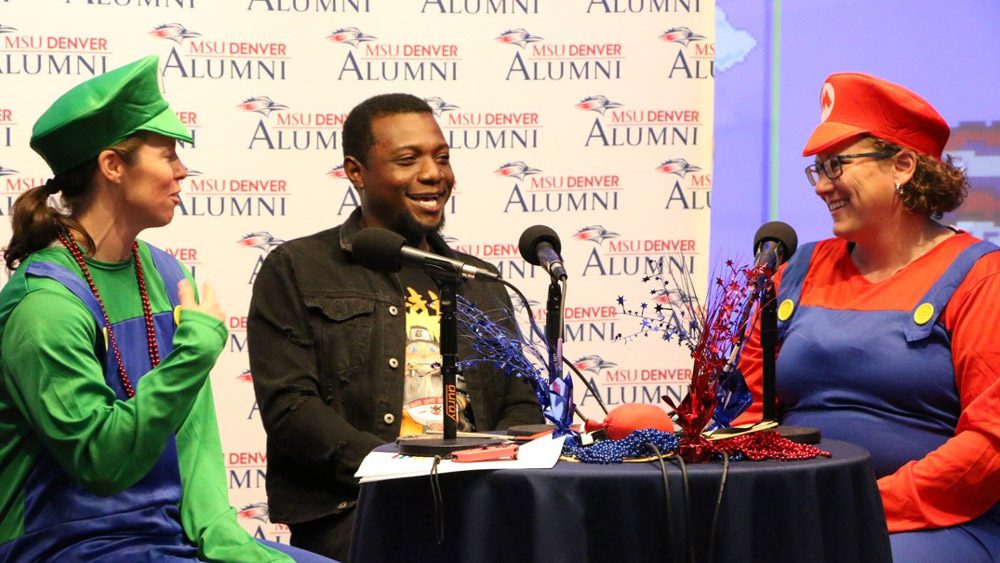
<point x="423" y="405"/>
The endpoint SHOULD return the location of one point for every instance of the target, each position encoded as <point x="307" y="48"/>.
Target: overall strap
<point x="73" y="283"/>
<point x="926" y="313"/>
<point x="794" y="275"/>
<point x="170" y="271"/>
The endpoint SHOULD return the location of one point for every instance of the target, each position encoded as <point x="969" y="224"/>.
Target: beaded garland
<point x="67" y="240"/>
<point x="756" y="446"/>
<point x="616" y="451"/>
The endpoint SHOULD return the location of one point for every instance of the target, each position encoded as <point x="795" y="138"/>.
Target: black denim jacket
<point x="327" y="344"/>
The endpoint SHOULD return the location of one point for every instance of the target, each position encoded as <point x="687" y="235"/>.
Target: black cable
<point x="438" y="501"/>
<point x="666" y="491"/>
<point x="588" y="384"/>
<point x="562" y="317"/>
<point x="718" y="507"/>
<point x="527" y="307"/>
<point x="688" y="527"/>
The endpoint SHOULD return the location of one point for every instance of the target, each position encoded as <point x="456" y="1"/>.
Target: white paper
<point x="540" y="453"/>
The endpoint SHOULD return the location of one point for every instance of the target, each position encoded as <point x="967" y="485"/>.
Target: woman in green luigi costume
<point x="109" y="448"/>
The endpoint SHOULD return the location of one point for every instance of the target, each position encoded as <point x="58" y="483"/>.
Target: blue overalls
<point x="883" y="381"/>
<point x="64" y="521"/>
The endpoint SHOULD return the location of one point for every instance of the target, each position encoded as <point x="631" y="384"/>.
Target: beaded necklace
<point x="67" y="240"/>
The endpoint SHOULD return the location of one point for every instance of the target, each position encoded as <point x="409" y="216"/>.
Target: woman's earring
<point x="899" y="189"/>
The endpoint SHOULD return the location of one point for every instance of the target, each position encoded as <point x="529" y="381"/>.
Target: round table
<point x="823" y="509"/>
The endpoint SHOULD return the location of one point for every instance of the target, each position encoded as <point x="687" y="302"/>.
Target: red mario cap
<point x="855" y="104"/>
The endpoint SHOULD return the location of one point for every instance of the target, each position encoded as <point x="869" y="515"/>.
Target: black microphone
<point x="774" y="243"/>
<point x="383" y="250"/>
<point x="540" y="246"/>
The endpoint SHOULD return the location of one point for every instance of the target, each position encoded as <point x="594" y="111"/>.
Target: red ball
<point x="628" y="418"/>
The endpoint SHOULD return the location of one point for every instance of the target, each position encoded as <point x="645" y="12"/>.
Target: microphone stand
<point x="554" y="329"/>
<point x="554" y="334"/>
<point x="769" y="344"/>
<point x="429" y="447"/>
<point x="449" y="358"/>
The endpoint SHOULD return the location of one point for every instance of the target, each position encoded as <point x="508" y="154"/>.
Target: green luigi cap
<point x="103" y="111"/>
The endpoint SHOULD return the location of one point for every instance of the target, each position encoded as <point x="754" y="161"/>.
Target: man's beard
<point x="406" y="225"/>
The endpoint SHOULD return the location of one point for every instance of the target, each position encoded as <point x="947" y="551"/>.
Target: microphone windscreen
<point x="378" y="249"/>
<point x="532" y="237"/>
<point x="776" y="231"/>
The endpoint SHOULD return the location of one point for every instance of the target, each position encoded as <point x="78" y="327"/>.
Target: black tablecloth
<point x="813" y="510"/>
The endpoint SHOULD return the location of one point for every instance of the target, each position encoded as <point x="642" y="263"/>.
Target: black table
<point x="824" y="509"/>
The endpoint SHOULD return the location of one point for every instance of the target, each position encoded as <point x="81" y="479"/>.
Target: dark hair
<point x="357" y="134"/>
<point x="36" y="223"/>
<point x="937" y="186"/>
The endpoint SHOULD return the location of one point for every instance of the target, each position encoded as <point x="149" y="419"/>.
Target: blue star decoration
<point x="507" y="350"/>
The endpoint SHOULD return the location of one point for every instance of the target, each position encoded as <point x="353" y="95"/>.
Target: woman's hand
<point x="209" y="305"/>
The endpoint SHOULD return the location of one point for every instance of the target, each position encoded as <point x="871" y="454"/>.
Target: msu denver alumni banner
<point x="591" y="116"/>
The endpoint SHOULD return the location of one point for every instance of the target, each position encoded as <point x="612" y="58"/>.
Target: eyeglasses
<point x="833" y="167"/>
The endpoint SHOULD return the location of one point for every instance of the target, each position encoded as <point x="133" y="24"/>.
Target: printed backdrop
<point x="591" y="116"/>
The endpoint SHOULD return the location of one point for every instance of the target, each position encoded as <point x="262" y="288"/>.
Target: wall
<point x="591" y="116"/>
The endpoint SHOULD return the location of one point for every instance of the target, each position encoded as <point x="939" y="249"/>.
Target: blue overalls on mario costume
<point x="881" y="379"/>
<point x="66" y="522"/>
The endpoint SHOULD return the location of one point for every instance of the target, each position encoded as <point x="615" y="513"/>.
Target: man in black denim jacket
<point x="327" y="337"/>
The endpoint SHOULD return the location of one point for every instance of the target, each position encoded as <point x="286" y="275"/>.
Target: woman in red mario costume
<point x="888" y="332"/>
